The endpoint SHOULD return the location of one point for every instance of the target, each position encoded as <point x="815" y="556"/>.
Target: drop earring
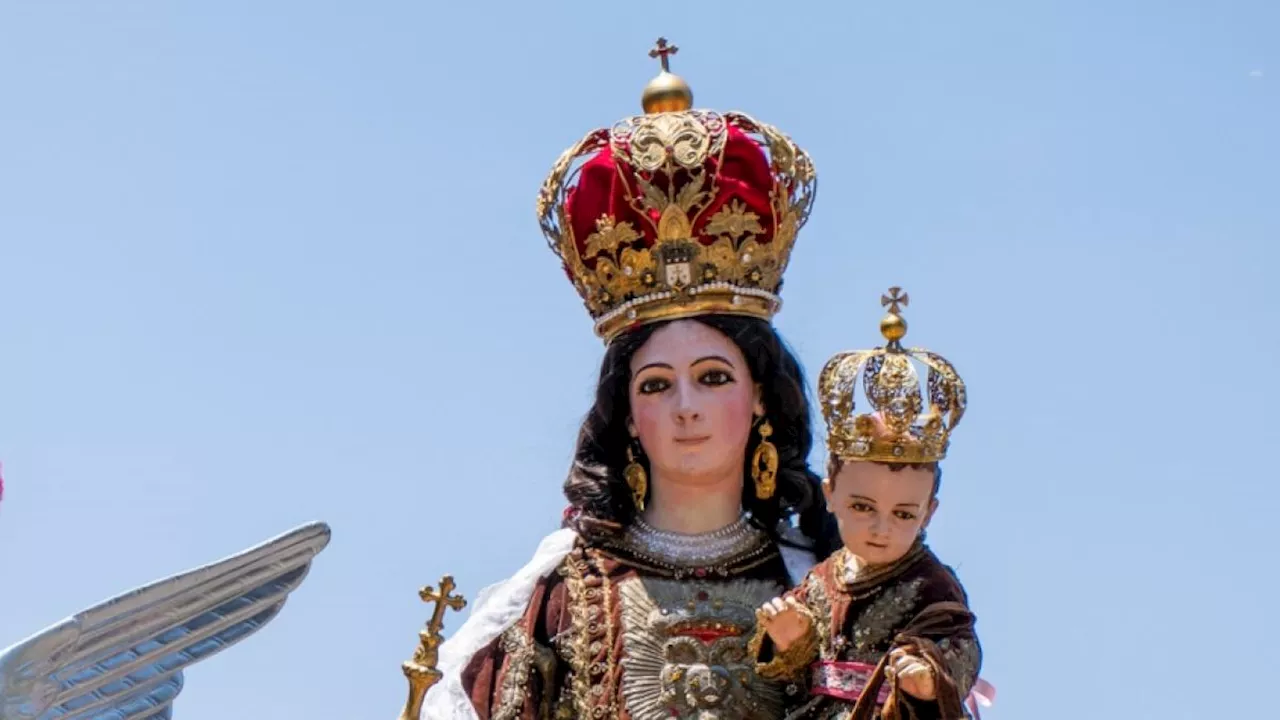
<point x="764" y="463"/>
<point x="637" y="479"/>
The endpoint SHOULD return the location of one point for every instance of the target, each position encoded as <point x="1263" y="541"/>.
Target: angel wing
<point x="123" y="659"/>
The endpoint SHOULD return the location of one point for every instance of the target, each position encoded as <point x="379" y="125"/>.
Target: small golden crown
<point x="900" y="430"/>
<point x="677" y="212"/>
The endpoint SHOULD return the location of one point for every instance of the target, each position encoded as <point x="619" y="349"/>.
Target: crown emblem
<point x="677" y="212"/>
<point x="901" y="429"/>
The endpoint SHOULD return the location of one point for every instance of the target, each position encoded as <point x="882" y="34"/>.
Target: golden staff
<point x="421" y="670"/>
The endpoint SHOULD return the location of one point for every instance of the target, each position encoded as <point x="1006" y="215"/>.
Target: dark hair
<point x="834" y="463"/>
<point x="599" y="497"/>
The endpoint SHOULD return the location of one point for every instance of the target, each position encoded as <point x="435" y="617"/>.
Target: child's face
<point x="880" y="511"/>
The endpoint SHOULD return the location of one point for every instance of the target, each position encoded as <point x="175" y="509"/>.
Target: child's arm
<point x="786" y="638"/>
<point x="935" y="661"/>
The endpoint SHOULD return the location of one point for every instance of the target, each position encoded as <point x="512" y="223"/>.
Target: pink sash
<point x="847" y="680"/>
<point x="844" y="680"/>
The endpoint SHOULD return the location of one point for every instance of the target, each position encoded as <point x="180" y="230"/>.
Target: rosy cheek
<point x="735" y="412"/>
<point x="648" y="417"/>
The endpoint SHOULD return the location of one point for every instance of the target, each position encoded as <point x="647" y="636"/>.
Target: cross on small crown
<point x="895" y="300"/>
<point x="663" y="50"/>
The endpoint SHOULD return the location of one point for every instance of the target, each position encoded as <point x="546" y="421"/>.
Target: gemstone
<point x="703" y="595"/>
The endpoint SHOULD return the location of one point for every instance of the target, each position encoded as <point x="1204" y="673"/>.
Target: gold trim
<point x="717" y="303"/>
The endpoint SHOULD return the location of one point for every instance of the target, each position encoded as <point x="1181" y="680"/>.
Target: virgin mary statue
<point x="691" y="500"/>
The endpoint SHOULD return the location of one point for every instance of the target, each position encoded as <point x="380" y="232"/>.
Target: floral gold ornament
<point x="637" y="479"/>
<point x="764" y="463"/>
<point x="678" y="212"/>
<point x="422" y="671"/>
<point x="901" y="428"/>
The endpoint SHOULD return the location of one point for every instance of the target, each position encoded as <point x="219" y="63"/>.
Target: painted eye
<point x="904" y="515"/>
<point x="861" y="507"/>
<point x="716" y="377"/>
<point x="653" y="385"/>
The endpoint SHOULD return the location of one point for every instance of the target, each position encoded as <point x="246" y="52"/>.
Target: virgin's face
<point x="692" y="404"/>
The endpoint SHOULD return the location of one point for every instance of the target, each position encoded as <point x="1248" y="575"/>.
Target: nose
<point x="877" y="524"/>
<point x="686" y="409"/>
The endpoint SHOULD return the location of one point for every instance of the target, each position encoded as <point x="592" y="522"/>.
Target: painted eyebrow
<point x="710" y="358"/>
<point x="699" y="361"/>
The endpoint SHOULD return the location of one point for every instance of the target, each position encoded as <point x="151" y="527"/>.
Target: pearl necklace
<point x="698" y="549"/>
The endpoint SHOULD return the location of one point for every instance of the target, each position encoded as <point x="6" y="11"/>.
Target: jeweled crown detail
<point x="677" y="212"/>
<point x="901" y="429"/>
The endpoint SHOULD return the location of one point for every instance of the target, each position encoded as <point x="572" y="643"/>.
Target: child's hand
<point x="912" y="674"/>
<point x="784" y="621"/>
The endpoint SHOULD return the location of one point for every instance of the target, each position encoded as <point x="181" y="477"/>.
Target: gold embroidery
<point x="576" y="645"/>
<point x="685" y="650"/>
<point x="878" y="623"/>
<point x="820" y="605"/>
<point x="590" y="645"/>
<point x="961" y="658"/>
<point x="790" y="664"/>
<point x="522" y="653"/>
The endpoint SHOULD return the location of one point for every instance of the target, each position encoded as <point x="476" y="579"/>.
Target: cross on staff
<point x="443" y="600"/>
<point x="421" y="671"/>
<point x="663" y="50"/>
<point x="895" y="298"/>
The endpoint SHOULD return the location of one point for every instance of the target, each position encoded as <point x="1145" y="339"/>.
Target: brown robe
<point x="917" y="604"/>
<point x="623" y="634"/>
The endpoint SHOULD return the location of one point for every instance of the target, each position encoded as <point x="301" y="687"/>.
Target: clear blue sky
<point x="262" y="263"/>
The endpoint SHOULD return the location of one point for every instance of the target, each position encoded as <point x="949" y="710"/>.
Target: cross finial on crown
<point x="895" y="300"/>
<point x="663" y="51"/>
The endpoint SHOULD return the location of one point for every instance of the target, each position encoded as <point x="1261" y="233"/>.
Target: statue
<point x="690" y="498"/>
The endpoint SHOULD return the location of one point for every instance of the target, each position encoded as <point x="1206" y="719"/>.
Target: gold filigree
<point x="901" y="429"/>
<point x="525" y="657"/>
<point x="685" y="650"/>
<point x="733" y="221"/>
<point x="589" y="643"/>
<point x="575" y="643"/>
<point x="667" y="164"/>
<point x="609" y="236"/>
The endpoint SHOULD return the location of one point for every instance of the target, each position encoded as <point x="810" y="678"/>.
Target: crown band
<point x="718" y="298"/>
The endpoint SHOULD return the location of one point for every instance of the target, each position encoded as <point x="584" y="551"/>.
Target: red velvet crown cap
<point x="606" y="184"/>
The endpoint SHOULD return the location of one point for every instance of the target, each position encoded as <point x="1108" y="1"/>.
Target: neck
<point x="694" y="509"/>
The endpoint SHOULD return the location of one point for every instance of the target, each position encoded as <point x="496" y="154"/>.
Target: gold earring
<point x="637" y="479"/>
<point x="764" y="464"/>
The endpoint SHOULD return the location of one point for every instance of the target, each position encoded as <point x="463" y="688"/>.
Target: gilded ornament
<point x="685" y="650"/>
<point x="668" y="165"/>
<point x="421" y="671"/>
<point x="904" y="428"/>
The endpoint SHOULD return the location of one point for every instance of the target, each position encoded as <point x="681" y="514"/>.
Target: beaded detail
<point x="694" y="550"/>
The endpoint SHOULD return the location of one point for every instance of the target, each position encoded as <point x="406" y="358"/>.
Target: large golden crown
<point x="677" y="212"/>
<point x="900" y="430"/>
